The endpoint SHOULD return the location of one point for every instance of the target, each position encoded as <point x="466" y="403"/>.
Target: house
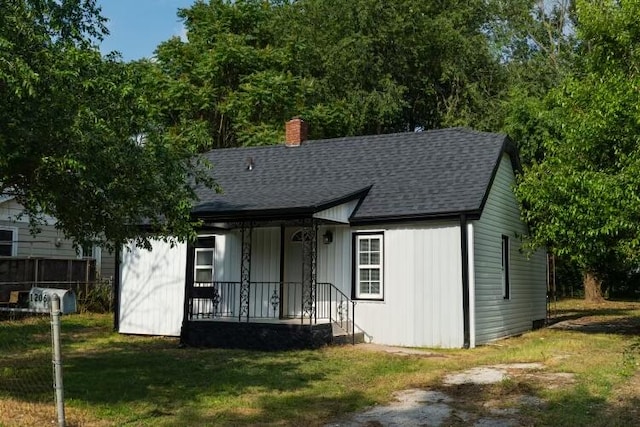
<point x="47" y="254"/>
<point x="410" y="239"/>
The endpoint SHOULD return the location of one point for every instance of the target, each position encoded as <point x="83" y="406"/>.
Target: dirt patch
<point x="506" y="389"/>
<point x="498" y="395"/>
<point x="625" y="325"/>
<point x="399" y="351"/>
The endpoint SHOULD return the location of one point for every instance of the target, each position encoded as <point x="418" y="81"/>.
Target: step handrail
<point x="340" y="298"/>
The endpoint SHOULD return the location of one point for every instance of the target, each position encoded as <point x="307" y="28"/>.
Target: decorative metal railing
<point x="271" y="300"/>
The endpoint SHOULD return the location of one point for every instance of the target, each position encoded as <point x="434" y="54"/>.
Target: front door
<point x="292" y="295"/>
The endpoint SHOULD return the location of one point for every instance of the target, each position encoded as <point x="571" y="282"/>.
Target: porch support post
<point x="309" y="269"/>
<point x="245" y="271"/>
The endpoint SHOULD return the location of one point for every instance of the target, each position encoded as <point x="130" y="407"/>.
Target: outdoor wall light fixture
<point x="327" y="237"/>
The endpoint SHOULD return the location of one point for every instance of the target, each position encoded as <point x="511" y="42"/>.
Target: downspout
<point x="464" y="241"/>
<point x="116" y="290"/>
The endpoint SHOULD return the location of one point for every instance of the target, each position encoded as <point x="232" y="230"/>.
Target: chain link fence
<point x="30" y="384"/>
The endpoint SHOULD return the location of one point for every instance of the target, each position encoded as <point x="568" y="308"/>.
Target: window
<point x="204" y="259"/>
<point x="301" y="234"/>
<point x="86" y="251"/>
<point x="8" y="240"/>
<point x="369" y="283"/>
<point x="204" y="265"/>
<point x="506" y="261"/>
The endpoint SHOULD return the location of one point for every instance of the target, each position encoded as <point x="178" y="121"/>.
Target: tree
<point x="539" y="49"/>
<point x="348" y="68"/>
<point x="583" y="197"/>
<point x="79" y="140"/>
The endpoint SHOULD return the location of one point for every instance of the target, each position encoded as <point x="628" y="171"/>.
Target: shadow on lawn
<point x="172" y="382"/>
<point x="558" y="315"/>
<point x="579" y="407"/>
<point x="129" y="374"/>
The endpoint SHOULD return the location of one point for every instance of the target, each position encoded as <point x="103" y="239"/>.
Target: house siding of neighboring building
<point x="495" y="316"/>
<point x="41" y="245"/>
<point x="48" y="242"/>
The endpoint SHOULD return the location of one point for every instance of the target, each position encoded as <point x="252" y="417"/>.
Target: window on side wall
<point x="369" y="266"/>
<point x="8" y="246"/>
<point x="204" y="261"/>
<point x="506" y="264"/>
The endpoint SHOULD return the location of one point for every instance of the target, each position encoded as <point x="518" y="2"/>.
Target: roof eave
<point x="285" y="213"/>
<point x="473" y="214"/>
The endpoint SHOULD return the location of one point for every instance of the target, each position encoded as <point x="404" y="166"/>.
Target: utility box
<point x="40" y="299"/>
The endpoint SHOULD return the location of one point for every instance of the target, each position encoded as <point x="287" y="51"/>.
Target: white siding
<point x="152" y="289"/>
<point x="340" y="213"/>
<point x="334" y="259"/>
<point x="496" y="317"/>
<point x="265" y="255"/>
<point x="227" y="257"/>
<point x="423" y="284"/>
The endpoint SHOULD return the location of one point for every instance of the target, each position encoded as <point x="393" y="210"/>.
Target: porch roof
<point x="416" y="175"/>
<point x="279" y="203"/>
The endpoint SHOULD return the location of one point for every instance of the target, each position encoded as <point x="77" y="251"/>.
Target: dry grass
<point x="115" y="380"/>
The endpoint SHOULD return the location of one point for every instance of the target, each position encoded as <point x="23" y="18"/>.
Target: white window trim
<point x="14" y="239"/>
<point x="210" y="267"/>
<point x="357" y="266"/>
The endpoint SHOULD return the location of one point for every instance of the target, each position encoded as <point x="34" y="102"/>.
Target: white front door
<point x="292" y="287"/>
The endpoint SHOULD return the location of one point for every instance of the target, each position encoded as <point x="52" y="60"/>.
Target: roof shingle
<point x="422" y="174"/>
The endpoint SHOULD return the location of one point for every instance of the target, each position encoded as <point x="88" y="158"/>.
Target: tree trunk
<point x="592" y="288"/>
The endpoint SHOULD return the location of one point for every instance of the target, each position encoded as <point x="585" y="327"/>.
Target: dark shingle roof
<point x="404" y="175"/>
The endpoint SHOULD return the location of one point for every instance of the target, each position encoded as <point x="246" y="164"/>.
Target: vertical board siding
<point x="334" y="259"/>
<point x="496" y="317"/>
<point x="228" y="251"/>
<point x="340" y="213"/>
<point x="422" y="284"/>
<point x="152" y="289"/>
<point x="265" y="254"/>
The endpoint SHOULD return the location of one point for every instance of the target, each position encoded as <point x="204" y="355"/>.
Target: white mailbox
<point x="40" y="299"/>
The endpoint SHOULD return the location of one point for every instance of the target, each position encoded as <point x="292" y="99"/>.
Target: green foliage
<point x="631" y="357"/>
<point x="583" y="197"/>
<point x="539" y="50"/>
<point x="79" y="138"/>
<point x="95" y="297"/>
<point x="348" y="68"/>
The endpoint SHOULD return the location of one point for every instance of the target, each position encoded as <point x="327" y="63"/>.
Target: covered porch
<point x="254" y="284"/>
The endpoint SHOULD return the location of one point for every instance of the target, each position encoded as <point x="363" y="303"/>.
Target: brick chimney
<point x="295" y="132"/>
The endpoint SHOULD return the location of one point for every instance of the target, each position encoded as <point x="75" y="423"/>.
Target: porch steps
<point x="342" y="335"/>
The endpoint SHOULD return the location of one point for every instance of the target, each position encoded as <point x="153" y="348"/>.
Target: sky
<point x="136" y="27"/>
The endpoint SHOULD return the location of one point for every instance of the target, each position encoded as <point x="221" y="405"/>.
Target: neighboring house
<point x="17" y="242"/>
<point x="410" y="239"/>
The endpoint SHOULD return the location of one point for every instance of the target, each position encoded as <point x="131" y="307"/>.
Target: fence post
<point x="57" y="359"/>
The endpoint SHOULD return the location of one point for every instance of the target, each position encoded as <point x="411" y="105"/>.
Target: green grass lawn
<point x="111" y="379"/>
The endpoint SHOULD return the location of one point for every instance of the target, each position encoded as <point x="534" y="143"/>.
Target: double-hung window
<point x="8" y="246"/>
<point x="369" y="266"/>
<point x="203" y="265"/>
<point x="203" y="260"/>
